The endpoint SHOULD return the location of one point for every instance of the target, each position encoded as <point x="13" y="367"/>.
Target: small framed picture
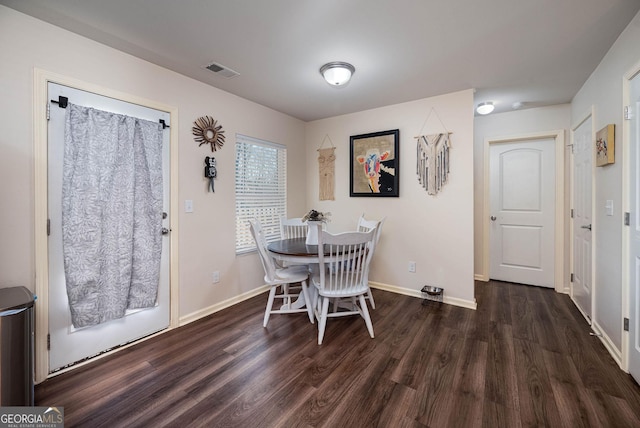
<point x="375" y="164"/>
<point x="605" y="146"/>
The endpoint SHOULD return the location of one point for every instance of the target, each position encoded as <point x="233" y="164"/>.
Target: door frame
<point x="40" y="166"/>
<point x="558" y="136"/>
<point x="583" y="118"/>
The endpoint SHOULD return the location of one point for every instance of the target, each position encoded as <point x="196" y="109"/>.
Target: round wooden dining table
<point x="295" y="250"/>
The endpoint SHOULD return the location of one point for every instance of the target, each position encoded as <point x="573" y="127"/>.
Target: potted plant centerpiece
<point x="313" y="219"/>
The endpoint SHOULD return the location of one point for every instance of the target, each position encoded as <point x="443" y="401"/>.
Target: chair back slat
<point x="347" y="260"/>
<point x="293" y="228"/>
<point x="365" y="225"/>
<point x="265" y="257"/>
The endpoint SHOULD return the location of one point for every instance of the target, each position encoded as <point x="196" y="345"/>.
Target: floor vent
<point x="221" y="70"/>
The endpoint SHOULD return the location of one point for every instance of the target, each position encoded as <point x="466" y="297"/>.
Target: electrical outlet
<point x="412" y="267"/>
<point x="216" y="277"/>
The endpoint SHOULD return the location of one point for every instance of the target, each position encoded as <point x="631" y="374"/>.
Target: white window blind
<point x="261" y="188"/>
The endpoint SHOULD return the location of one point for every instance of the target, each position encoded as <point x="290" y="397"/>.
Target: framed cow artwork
<point x="375" y="164"/>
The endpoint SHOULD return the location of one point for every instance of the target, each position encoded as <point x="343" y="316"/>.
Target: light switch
<point x="188" y="206"/>
<point x="609" y="207"/>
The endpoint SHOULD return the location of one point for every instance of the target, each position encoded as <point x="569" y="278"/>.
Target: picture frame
<point x="605" y="146"/>
<point x="375" y="164"/>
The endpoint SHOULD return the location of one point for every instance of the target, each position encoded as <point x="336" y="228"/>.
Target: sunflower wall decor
<point x="207" y="131"/>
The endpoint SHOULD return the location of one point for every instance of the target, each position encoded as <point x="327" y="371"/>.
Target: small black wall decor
<point x="210" y="170"/>
<point x="207" y="131"/>
<point x="375" y="164"/>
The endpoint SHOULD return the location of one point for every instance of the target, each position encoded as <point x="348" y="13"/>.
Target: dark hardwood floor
<point x="524" y="358"/>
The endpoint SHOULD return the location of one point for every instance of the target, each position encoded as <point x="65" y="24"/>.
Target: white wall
<point x="434" y="231"/>
<point x="207" y="235"/>
<point x="494" y="126"/>
<point x="603" y="91"/>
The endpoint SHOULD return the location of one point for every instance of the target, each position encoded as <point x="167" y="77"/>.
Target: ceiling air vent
<point x="221" y="70"/>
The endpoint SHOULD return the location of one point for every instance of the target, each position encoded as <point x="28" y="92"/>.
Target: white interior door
<point x="581" y="291"/>
<point x="522" y="198"/>
<point x="634" y="232"/>
<point x="70" y="345"/>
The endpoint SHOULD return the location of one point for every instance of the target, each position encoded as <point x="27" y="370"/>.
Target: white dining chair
<point x="281" y="280"/>
<point x="343" y="277"/>
<point x="293" y="228"/>
<point x="365" y="225"/>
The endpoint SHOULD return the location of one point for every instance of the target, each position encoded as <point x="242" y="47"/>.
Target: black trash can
<point x="16" y="347"/>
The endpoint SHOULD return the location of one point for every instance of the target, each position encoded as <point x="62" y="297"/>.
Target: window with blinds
<point x="261" y="188"/>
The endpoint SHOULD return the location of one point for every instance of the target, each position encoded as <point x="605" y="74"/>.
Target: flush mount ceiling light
<point x="485" y="108"/>
<point x="337" y="73"/>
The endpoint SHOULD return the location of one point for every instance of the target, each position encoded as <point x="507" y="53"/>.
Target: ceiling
<point x="534" y="52"/>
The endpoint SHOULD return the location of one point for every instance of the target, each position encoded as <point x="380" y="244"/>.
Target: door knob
<point x="588" y="226"/>
<point x="165" y="231"/>
<point x="493" y="218"/>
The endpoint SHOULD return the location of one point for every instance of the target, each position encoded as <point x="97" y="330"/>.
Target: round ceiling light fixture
<point x="337" y="73"/>
<point x="485" y="108"/>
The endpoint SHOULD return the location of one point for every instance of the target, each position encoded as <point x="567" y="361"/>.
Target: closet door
<point x="581" y="291"/>
<point x="522" y="226"/>
<point x="634" y="230"/>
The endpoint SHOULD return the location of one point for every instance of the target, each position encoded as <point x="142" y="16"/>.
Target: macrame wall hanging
<point x="432" y="158"/>
<point x="326" y="169"/>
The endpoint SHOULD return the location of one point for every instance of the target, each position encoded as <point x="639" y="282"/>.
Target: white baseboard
<point x="194" y="316"/>
<point x="186" y="319"/>
<point x="616" y="353"/>
<point x="480" y="277"/>
<point x="586" y="317"/>
<point x="417" y="293"/>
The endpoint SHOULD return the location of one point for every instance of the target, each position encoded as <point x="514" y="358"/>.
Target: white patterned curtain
<point x="111" y="213"/>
